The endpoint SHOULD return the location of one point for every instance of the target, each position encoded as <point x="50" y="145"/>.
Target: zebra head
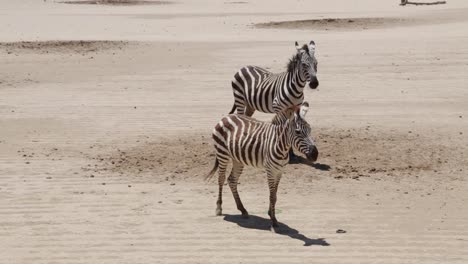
<point x="302" y="140"/>
<point x="308" y="63"/>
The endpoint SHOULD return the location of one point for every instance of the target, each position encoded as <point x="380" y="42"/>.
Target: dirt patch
<point x="335" y="23"/>
<point x="71" y="46"/>
<point x="365" y="23"/>
<point x="343" y="154"/>
<point x="117" y="2"/>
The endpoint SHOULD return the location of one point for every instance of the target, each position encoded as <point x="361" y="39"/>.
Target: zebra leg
<point x="221" y="179"/>
<point x="241" y="110"/>
<point x="239" y="99"/>
<point x="249" y="111"/>
<point x="233" y="180"/>
<point x="273" y="182"/>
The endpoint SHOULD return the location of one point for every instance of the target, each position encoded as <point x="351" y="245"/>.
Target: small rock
<point x="129" y="186"/>
<point x="172" y="184"/>
<point x="103" y="183"/>
<point x="340" y="231"/>
<point x="49" y="178"/>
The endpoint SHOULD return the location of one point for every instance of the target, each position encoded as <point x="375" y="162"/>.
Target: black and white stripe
<point x="256" y="89"/>
<point x="249" y="142"/>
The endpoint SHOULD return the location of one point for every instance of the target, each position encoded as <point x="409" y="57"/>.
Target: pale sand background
<point x="103" y="145"/>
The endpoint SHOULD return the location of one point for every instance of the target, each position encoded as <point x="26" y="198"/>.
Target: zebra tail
<point x="212" y="172"/>
<point x="233" y="109"/>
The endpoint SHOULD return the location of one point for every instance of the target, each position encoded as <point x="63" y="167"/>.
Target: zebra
<point x="248" y="142"/>
<point x="256" y="89"/>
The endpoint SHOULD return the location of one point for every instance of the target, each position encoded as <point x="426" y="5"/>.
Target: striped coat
<point x="256" y="89"/>
<point x="249" y="142"/>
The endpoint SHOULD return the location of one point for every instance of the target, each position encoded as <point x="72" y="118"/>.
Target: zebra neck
<point x="296" y="81"/>
<point x="280" y="119"/>
<point x="285" y="138"/>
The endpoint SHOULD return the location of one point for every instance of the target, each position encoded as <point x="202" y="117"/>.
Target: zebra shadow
<point x="318" y="166"/>
<point x="260" y="223"/>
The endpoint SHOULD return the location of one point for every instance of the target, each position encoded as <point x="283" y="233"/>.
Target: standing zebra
<point x="249" y="142"/>
<point x="255" y="88"/>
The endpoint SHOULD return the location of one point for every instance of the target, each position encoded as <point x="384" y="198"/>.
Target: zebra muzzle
<point x="312" y="155"/>
<point x="314" y="83"/>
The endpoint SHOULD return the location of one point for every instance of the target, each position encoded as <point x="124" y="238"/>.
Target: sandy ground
<point x="106" y="112"/>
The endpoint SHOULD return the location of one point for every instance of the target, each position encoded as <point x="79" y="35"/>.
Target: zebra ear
<point x="297" y="111"/>
<point x="298" y="48"/>
<point x="304" y="109"/>
<point x="312" y="48"/>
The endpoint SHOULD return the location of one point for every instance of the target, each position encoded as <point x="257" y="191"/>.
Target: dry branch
<point x="406" y="2"/>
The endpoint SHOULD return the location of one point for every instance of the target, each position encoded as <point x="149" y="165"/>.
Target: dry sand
<point x="106" y="111"/>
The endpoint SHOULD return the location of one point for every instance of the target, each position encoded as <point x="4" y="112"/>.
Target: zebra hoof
<point x="219" y="212"/>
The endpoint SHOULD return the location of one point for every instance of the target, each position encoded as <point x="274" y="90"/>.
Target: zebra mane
<point x="296" y="59"/>
<point x="282" y="117"/>
<point x="292" y="64"/>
